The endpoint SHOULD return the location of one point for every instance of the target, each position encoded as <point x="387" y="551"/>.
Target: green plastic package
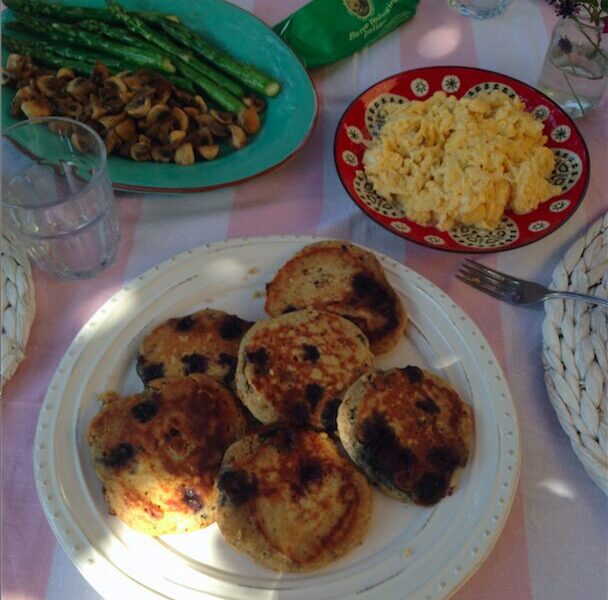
<point x="324" y="31"/>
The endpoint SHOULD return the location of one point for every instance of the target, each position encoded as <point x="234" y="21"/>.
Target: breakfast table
<point x="554" y="545"/>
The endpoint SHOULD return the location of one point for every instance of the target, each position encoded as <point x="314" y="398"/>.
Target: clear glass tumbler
<point x="57" y="199"/>
<point x="480" y="9"/>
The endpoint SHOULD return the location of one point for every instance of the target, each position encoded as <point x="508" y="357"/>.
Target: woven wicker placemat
<point x="18" y="306"/>
<point x="575" y="351"/>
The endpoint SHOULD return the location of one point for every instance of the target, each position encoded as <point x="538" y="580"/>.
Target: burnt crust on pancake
<point x="203" y="342"/>
<point x="290" y="500"/>
<point x="343" y="279"/>
<point x="296" y="367"/>
<point x="408" y="430"/>
<point x="158" y="453"/>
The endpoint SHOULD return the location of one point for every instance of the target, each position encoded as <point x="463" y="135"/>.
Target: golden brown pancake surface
<point x="158" y="453"/>
<point x="290" y="500"/>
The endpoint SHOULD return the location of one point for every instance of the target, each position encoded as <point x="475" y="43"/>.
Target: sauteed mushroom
<point x="209" y="152"/>
<point x="238" y="139"/>
<point x="139" y="106"/>
<point x="80" y="88"/>
<point x="38" y="107"/>
<point x="185" y="155"/>
<point x="162" y="153"/>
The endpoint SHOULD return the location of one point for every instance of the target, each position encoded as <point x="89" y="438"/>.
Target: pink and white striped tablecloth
<point x="555" y="543"/>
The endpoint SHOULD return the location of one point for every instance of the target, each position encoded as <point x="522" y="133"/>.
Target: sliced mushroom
<point x="140" y="151"/>
<point x="238" y="138"/>
<point x="254" y="102"/>
<point x="249" y="120"/>
<point x="133" y="81"/>
<point x="181" y="117"/>
<point x="112" y="141"/>
<point x="81" y="89"/>
<point x="65" y="73"/>
<point x="114" y="105"/>
<point x="200" y="137"/>
<point x="184" y="98"/>
<point x="139" y="106"/>
<point x="37" y="107"/>
<point x="49" y="85"/>
<point x="177" y="137"/>
<point x="126" y="129"/>
<point x="143" y="139"/>
<point x="223" y="118"/>
<point x="157" y="112"/>
<point x="99" y="73"/>
<point x="81" y="141"/>
<point x="185" y="155"/>
<point x="191" y="111"/>
<point x="69" y="107"/>
<point x="162" y="90"/>
<point x="218" y="130"/>
<point x="162" y="153"/>
<point x="60" y="127"/>
<point x="23" y="94"/>
<point x="118" y="83"/>
<point x="96" y="109"/>
<point x="200" y="102"/>
<point x="209" y="152"/>
<point x="16" y="64"/>
<point x="111" y="121"/>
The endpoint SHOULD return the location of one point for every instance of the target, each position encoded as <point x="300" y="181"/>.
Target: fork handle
<point x="577" y="296"/>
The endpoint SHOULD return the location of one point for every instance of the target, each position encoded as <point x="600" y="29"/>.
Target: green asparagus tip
<point x="272" y="88"/>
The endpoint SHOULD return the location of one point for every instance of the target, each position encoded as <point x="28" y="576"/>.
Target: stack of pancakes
<point x="275" y="430"/>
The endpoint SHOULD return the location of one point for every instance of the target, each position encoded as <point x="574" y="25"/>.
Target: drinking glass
<point x="57" y="199"/>
<point x="480" y="9"/>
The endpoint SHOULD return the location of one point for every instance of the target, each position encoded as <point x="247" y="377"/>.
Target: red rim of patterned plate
<point x="364" y="115"/>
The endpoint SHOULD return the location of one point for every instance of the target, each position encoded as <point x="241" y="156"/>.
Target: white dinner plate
<point x="409" y="552"/>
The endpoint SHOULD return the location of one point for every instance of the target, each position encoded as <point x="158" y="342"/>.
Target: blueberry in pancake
<point x="408" y="430"/>
<point x="204" y="342"/>
<point x="290" y="500"/>
<point x="344" y="279"/>
<point x="158" y="453"/>
<point x="296" y="367"/>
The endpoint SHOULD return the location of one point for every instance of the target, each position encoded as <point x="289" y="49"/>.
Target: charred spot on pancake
<point x="228" y="361"/>
<point x="149" y="371"/>
<point x="195" y="363"/>
<point x="144" y="411"/>
<point x="118" y="456"/>
<point x="314" y="393"/>
<point x="259" y="358"/>
<point x="232" y="328"/>
<point x="427" y="405"/>
<point x="311" y="470"/>
<point x="443" y="458"/>
<point x="311" y="352"/>
<point x="431" y="488"/>
<point x="299" y="413"/>
<point x="283" y="439"/>
<point x="290" y="308"/>
<point x="192" y="499"/>
<point x="330" y="414"/>
<point x="237" y="486"/>
<point x="184" y="324"/>
<point x="414" y="374"/>
<point x="383" y="451"/>
<point x="368" y="291"/>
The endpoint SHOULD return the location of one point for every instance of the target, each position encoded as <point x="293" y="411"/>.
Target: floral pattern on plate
<point x="367" y="115"/>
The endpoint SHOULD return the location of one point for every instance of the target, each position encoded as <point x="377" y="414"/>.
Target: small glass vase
<point x="575" y="71"/>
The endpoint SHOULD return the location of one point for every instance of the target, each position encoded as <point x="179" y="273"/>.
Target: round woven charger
<point x="575" y="351"/>
<point x="18" y="306"/>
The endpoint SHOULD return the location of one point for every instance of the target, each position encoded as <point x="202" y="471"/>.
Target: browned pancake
<point x="408" y="430"/>
<point x="296" y="367"/>
<point x="204" y="342"/>
<point x="158" y="453"/>
<point x="344" y="279"/>
<point x="288" y="499"/>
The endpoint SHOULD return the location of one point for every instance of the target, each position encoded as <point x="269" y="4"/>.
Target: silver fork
<point x="514" y="290"/>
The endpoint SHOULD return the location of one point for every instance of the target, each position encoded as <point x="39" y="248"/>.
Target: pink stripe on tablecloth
<point x="27" y="551"/>
<point x="262" y="207"/>
<point x="508" y="562"/>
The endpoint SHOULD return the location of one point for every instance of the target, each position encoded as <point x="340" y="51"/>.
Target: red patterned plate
<point x="365" y="116"/>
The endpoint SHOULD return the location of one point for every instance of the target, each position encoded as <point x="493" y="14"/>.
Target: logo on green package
<point x="359" y="8"/>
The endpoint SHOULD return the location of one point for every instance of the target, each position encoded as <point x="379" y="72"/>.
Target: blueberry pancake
<point x="158" y="453"/>
<point x="408" y="430"/>
<point x="290" y="500"/>
<point x="204" y="342"/>
<point x="343" y="279"/>
<point x="296" y="367"/>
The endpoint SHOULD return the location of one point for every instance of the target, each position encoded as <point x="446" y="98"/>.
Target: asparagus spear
<point x="62" y="33"/>
<point x="120" y="35"/>
<point x="137" y="26"/>
<point x="62" y="12"/>
<point x="246" y="74"/>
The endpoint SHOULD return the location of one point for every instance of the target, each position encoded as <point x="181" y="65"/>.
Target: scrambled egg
<point x="447" y="161"/>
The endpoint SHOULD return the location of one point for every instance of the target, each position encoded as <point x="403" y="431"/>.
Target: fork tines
<point x="496" y="284"/>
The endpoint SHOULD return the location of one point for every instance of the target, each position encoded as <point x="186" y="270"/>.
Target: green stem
<point x="573" y="93"/>
<point x="594" y="44"/>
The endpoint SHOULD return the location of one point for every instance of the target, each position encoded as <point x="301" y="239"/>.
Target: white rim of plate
<point x="575" y="351"/>
<point x="97" y="568"/>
